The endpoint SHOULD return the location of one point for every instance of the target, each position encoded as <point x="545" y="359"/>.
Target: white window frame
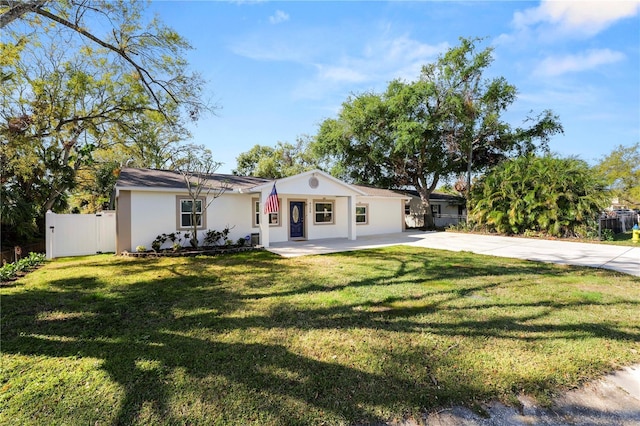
<point x="256" y="214"/>
<point x="180" y="213"/>
<point x="325" y="213"/>
<point x="365" y="214"/>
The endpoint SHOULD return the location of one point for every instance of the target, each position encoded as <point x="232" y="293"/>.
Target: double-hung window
<point x="186" y="214"/>
<point x="274" y="218"/>
<point x="362" y="214"/>
<point x="323" y="212"/>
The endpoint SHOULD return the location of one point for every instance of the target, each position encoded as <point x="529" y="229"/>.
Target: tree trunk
<point x="428" y="220"/>
<point x="194" y="231"/>
<point x="425" y="194"/>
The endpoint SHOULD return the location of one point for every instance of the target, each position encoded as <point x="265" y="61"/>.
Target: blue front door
<point x="296" y="219"/>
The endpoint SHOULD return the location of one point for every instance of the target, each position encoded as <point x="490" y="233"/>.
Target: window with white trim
<point x="185" y="217"/>
<point x="274" y="218"/>
<point x="323" y="212"/>
<point x="362" y="214"/>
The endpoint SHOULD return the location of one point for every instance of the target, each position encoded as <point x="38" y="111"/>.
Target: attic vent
<point x="313" y="182"/>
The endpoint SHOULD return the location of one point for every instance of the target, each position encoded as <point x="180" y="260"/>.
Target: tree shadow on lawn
<point x="127" y="326"/>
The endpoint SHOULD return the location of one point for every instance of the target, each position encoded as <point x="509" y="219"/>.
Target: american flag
<point x="272" y="206"/>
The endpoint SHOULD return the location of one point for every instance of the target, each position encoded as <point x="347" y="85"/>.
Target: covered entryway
<point x="313" y="205"/>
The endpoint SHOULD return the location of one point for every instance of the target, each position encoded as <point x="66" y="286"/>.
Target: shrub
<point x="215" y="238"/>
<point x="176" y="238"/>
<point x="541" y="194"/>
<point x="141" y="249"/>
<point x="607" y="235"/>
<point x="10" y="270"/>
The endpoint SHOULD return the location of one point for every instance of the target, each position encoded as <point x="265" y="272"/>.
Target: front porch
<point x="335" y="245"/>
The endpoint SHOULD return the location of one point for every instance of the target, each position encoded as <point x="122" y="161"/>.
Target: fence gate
<point x="80" y="234"/>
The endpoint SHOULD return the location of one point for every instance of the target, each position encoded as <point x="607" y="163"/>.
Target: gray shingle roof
<point x="379" y="192"/>
<point x="169" y="179"/>
<point x="166" y="179"/>
<point x="454" y="199"/>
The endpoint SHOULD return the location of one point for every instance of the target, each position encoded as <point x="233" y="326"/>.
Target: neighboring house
<point x="313" y="205"/>
<point x="447" y="209"/>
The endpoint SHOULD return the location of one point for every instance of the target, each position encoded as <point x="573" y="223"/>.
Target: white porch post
<point x="264" y="219"/>
<point x="351" y="205"/>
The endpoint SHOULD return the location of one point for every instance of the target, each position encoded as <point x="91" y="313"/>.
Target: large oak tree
<point x="447" y="122"/>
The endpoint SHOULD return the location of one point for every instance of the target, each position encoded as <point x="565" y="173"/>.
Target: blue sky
<point x="278" y="69"/>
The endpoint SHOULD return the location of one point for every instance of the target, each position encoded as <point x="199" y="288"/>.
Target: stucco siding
<point x="340" y="225"/>
<point x="314" y="185"/>
<point x="384" y="216"/>
<point x="234" y="211"/>
<point x="152" y="213"/>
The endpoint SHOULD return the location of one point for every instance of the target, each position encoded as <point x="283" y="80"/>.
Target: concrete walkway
<point x="618" y="258"/>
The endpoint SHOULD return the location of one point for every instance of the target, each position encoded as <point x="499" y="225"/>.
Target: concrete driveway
<point x="618" y="258"/>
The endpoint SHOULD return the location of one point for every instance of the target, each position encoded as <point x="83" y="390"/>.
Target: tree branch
<point x="17" y="9"/>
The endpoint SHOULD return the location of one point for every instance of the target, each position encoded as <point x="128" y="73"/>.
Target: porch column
<point x="351" y="217"/>
<point x="264" y="218"/>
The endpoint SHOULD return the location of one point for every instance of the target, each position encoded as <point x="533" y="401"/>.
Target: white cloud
<point x="337" y="64"/>
<point x="378" y="62"/>
<point x="394" y="57"/>
<point x="279" y="17"/>
<point x="557" y="65"/>
<point x="340" y="74"/>
<point x="584" y="18"/>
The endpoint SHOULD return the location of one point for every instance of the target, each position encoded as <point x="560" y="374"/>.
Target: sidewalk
<point x="618" y="258"/>
<point x="611" y="400"/>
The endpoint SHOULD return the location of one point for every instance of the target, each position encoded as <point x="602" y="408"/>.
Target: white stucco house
<point x="313" y="205"/>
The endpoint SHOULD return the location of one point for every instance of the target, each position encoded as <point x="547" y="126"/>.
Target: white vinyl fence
<point x="80" y="234"/>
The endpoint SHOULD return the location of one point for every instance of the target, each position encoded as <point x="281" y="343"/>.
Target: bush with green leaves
<point x="538" y="194"/>
<point x="215" y="238"/>
<point x="176" y="239"/>
<point x="10" y="270"/>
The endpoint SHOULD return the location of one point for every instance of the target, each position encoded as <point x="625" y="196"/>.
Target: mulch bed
<point x="186" y="252"/>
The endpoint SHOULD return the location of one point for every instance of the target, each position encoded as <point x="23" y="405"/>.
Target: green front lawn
<point x="337" y="339"/>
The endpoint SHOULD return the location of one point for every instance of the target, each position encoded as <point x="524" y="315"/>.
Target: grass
<point x="623" y="239"/>
<point x="348" y="338"/>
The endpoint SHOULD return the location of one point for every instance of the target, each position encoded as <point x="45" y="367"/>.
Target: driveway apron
<point x="618" y="258"/>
